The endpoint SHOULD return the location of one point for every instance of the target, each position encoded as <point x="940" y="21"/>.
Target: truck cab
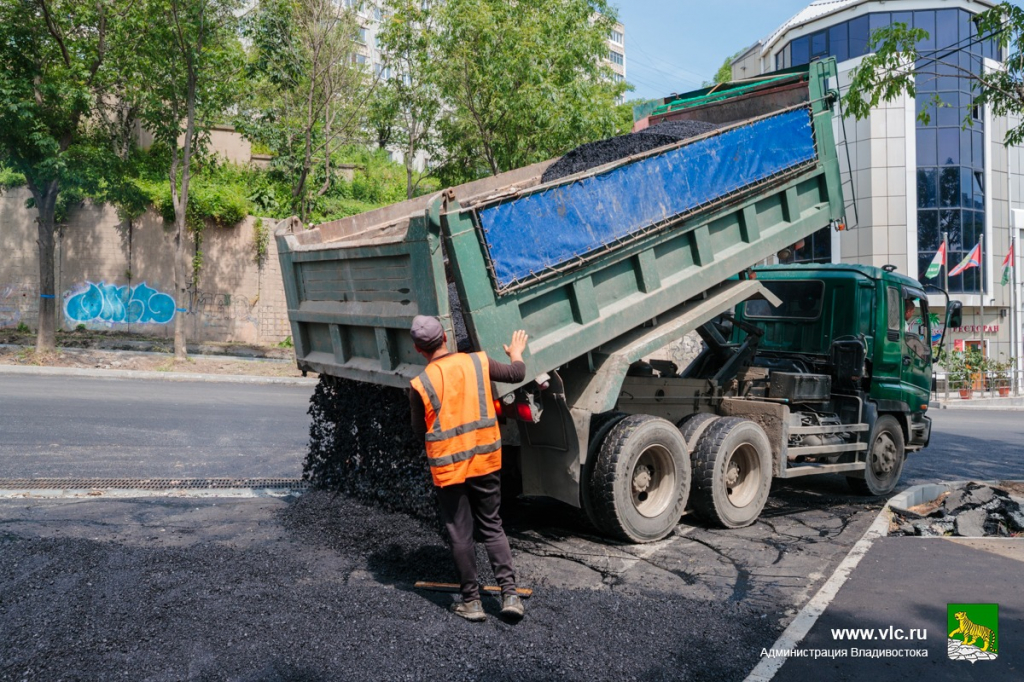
<point x="834" y="315"/>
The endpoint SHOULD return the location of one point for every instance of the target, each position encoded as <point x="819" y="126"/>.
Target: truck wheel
<point x="600" y="425"/>
<point x="641" y="479"/>
<point x="732" y="472"/>
<point x="884" y="464"/>
<point x="694" y="426"/>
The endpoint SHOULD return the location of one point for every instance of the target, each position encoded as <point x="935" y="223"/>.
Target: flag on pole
<point x="937" y="262"/>
<point x="972" y="260"/>
<point x="1007" y="265"/>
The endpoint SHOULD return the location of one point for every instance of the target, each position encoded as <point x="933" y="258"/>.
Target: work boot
<point x="470" y="610"/>
<point x="512" y="606"/>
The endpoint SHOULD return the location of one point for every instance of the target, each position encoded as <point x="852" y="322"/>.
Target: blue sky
<point x="674" y="45"/>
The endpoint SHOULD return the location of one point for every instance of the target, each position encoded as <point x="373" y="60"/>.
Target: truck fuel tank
<point x="800" y="388"/>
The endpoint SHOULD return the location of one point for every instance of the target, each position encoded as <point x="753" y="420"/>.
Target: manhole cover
<point x="151" y="483"/>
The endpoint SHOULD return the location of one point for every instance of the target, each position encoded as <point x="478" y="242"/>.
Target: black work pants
<point x="470" y="510"/>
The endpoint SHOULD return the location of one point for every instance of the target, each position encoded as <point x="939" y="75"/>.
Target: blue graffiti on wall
<point x="103" y="302"/>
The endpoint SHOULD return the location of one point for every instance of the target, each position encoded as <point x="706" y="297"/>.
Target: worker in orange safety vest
<point x="453" y="409"/>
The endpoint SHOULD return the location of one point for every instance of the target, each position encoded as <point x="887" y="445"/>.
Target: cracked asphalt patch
<point x="170" y="589"/>
<point x="773" y="566"/>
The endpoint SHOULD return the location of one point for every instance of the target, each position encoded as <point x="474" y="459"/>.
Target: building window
<point x="616" y="37"/>
<point x="618" y="77"/>
<point x="616" y="57"/>
<point x="362" y="34"/>
<point x="850" y="39"/>
<point x="950" y="157"/>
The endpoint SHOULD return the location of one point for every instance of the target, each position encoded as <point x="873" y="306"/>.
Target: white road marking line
<point x="809" y="614"/>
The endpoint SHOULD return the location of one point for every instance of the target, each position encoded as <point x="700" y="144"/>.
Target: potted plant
<point x="958" y="372"/>
<point x="1001" y="375"/>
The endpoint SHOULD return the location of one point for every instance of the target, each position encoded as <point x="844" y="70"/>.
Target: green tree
<point x="309" y="92"/>
<point x="891" y="71"/>
<point x="186" y="72"/>
<point x="407" y="106"/>
<point x="59" y="79"/>
<point x="624" y="115"/>
<point x="522" y="81"/>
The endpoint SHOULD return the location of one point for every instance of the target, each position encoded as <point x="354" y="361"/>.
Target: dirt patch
<point x="926" y="508"/>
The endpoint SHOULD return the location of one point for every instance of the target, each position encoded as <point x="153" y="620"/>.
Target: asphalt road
<point x="57" y="427"/>
<point x="189" y="589"/>
<point x="970" y="444"/>
<point x="72" y="426"/>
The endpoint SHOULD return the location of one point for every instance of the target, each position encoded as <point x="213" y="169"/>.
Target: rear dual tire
<point x="732" y="472"/>
<point x="638" y="485"/>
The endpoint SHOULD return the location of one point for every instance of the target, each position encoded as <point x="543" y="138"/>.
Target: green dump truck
<point x="807" y="369"/>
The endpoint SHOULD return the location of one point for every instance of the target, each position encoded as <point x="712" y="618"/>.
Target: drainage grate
<point x="151" y="483"/>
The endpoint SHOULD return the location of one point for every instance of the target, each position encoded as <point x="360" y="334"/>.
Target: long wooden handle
<point x="524" y="592"/>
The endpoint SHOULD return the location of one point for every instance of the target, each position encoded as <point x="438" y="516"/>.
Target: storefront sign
<point x="976" y="328"/>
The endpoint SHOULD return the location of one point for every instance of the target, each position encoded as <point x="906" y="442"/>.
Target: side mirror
<point x="955" y="314"/>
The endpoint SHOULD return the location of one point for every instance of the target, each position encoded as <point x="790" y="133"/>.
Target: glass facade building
<point x="950" y="161"/>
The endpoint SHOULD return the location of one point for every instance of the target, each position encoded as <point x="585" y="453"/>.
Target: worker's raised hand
<point x="514" y="350"/>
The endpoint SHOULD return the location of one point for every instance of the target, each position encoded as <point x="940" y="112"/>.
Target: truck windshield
<point x="801" y="300"/>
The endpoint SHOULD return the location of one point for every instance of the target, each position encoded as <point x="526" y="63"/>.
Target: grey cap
<point x="426" y="332"/>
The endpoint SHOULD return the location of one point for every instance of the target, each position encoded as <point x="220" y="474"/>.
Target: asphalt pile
<point x="322" y="590"/>
<point x="361" y="443"/>
<point x="976" y="510"/>
<point x="598" y="153"/>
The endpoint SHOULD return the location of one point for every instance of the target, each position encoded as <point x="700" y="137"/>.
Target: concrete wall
<point x="224" y="142"/>
<point x="112" y="276"/>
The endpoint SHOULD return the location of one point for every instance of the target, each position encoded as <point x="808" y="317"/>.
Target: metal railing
<point x="982" y="384"/>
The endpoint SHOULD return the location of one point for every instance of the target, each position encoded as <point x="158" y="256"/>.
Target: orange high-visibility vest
<point x="463" y="439"/>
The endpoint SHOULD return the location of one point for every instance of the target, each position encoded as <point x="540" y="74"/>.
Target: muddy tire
<point x="693" y="427"/>
<point x="732" y="472"/>
<point x="883" y="461"/>
<point x="640" y="480"/>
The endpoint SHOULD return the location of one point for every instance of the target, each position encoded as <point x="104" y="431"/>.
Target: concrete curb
<point x="1000" y="404"/>
<point x="153" y="376"/>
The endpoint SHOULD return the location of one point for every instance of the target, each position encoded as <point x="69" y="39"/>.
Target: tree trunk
<point x="180" y="286"/>
<point x="46" y="205"/>
<point x="180" y="219"/>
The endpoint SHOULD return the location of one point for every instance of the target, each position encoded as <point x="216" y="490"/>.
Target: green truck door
<point x="915" y="375"/>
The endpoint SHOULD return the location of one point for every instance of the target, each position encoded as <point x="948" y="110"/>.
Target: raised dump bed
<point x="577" y="262"/>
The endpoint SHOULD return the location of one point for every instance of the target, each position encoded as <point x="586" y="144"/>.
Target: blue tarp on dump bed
<point x="546" y="229"/>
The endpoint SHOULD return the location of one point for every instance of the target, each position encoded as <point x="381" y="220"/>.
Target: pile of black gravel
<point x="976" y="510"/>
<point x="327" y="595"/>
<point x="361" y="443"/>
<point x="598" y="153"/>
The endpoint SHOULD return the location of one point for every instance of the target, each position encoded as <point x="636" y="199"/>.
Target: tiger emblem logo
<point x="970" y="632"/>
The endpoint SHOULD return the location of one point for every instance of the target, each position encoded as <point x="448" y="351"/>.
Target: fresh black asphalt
<point x="314" y="589"/>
